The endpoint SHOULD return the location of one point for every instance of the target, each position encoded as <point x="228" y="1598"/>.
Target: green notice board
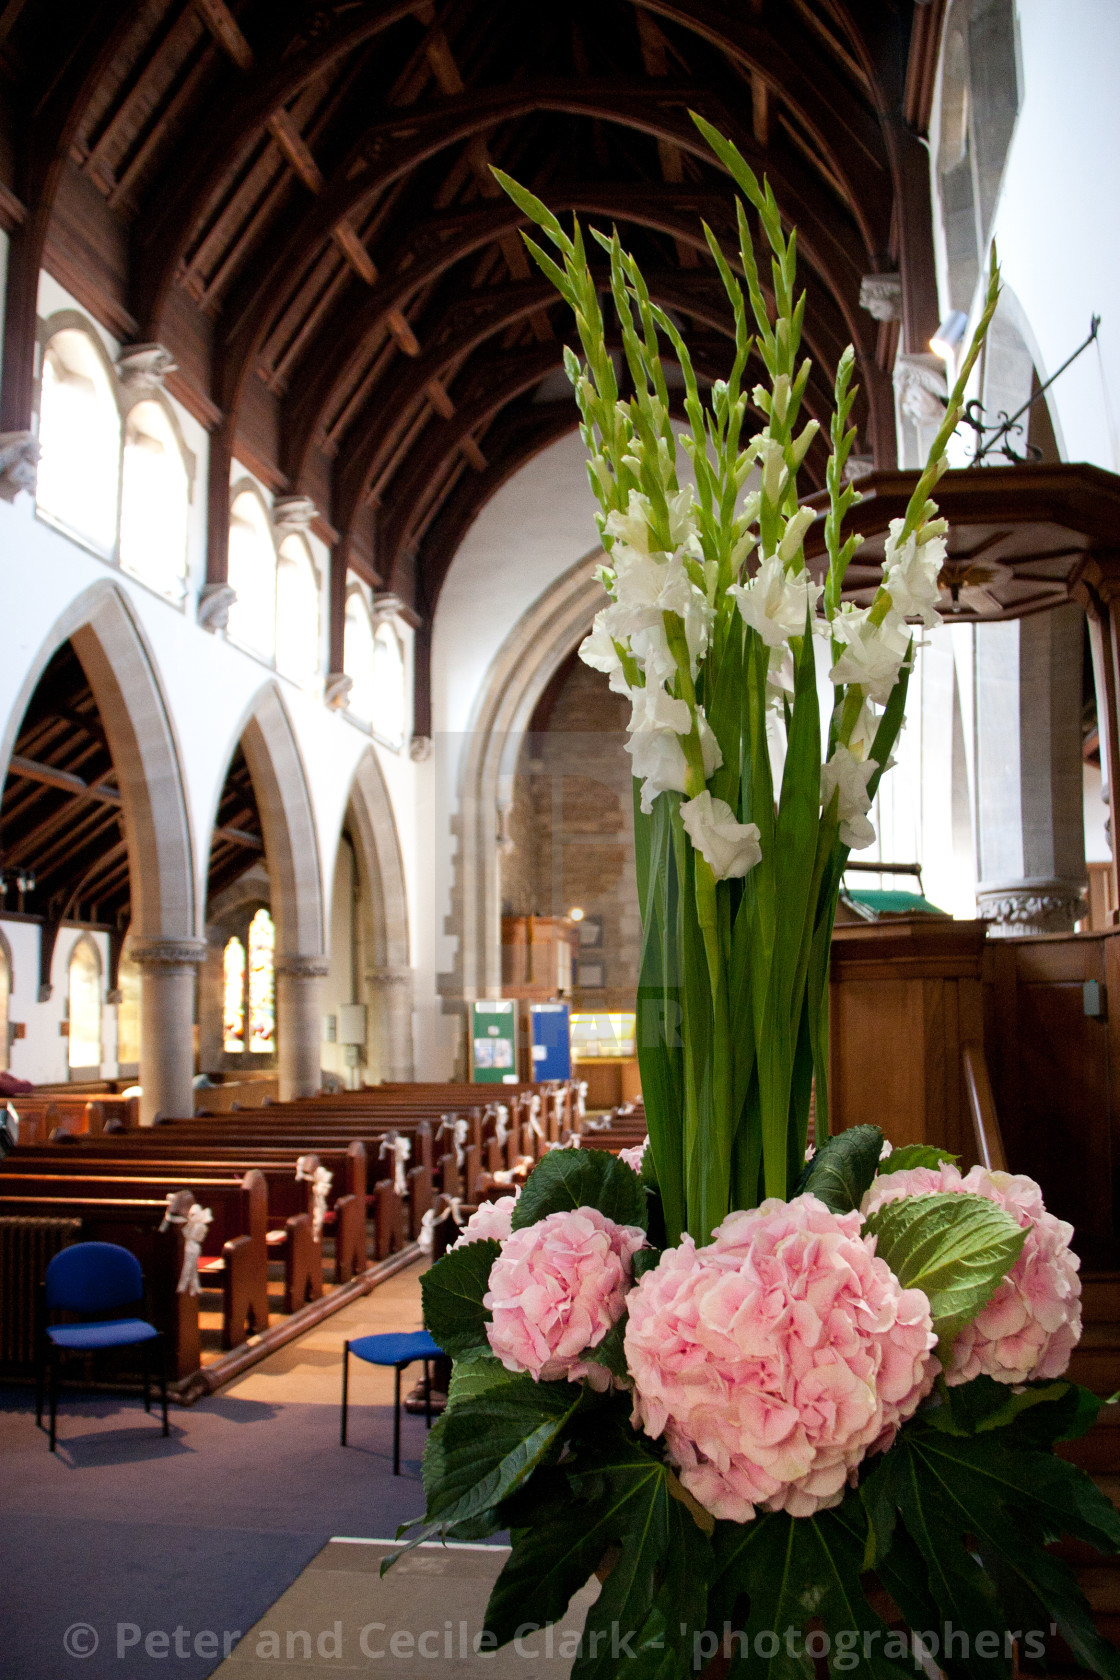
<point x="494" y="1042"/>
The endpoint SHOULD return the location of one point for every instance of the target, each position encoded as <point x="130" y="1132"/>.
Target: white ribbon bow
<point x="400" y="1148"/>
<point x="182" y="1209"/>
<point x="309" y="1171"/>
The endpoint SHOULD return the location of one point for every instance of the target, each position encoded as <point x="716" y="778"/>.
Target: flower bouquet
<point x="769" y="1400"/>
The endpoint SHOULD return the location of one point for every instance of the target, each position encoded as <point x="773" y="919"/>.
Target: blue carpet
<point x="130" y="1535"/>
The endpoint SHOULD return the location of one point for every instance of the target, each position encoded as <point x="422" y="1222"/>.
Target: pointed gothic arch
<point x="387" y="978"/>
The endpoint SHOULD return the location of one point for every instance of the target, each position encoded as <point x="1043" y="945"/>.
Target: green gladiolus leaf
<point x="955" y="1248"/>
<point x="452" y="1290"/>
<point x="841" y="1171"/>
<point x="793" y="1569"/>
<point x="914" y="1155"/>
<point x="573" y="1178"/>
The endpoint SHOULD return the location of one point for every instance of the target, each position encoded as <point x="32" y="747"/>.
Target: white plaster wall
<point x="537" y="526"/>
<point x="1056" y="234"/>
<point x="41" y="1055"/>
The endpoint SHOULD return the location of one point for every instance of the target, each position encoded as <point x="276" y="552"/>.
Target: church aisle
<point x="182" y="1545"/>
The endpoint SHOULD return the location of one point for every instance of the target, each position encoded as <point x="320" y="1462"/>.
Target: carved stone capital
<point x="336" y="690"/>
<point x="919" y="383"/>
<point x="292" y="513"/>
<point x="142" y="368"/>
<point x="214" y="602"/>
<point x="420" y="748"/>
<point x="115" y="997"/>
<point x="168" y="953"/>
<point x="19" y="454"/>
<point x="298" y="967"/>
<point x="1018" y="908"/>
<point x="386" y="605"/>
<point x="386" y="979"/>
<point x="881" y="296"/>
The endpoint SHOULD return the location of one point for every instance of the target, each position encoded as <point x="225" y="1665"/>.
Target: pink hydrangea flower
<point x="775" y="1358"/>
<point x="634" y="1157"/>
<point x="556" y="1289"/>
<point x="489" y="1220"/>
<point x="1032" y="1323"/>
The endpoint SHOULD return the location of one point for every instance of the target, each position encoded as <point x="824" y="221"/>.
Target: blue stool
<point x="397" y="1349"/>
<point x="94" y="1279"/>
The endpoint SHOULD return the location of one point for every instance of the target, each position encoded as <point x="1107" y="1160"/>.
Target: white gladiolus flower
<point x="874" y="652"/>
<point x="598" y="651"/>
<point x="729" y="846"/>
<point x="780" y="677"/>
<point x="633" y="526"/>
<point x="847" y="777"/>
<point x="911" y="572"/>
<point x="655" y="746"/>
<point x="657" y="757"/>
<point x="862" y="738"/>
<point x="776" y="602"/>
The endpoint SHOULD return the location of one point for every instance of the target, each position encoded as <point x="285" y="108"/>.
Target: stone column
<point x="1030" y="822"/>
<point x="299" y="1024"/>
<point x="167" y="986"/>
<point x="390" y="991"/>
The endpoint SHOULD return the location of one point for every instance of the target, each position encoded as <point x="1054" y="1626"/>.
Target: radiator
<point x="27" y="1247"/>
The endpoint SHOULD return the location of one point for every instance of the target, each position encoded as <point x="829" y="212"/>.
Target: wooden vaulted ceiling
<point x="296" y="200"/>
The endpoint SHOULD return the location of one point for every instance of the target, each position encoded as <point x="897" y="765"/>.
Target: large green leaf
<point x="841" y="1171"/>
<point x="452" y="1290"/>
<point x="482" y="1448"/>
<point x="652" y="1602"/>
<point x="988" y="1495"/>
<point x="575" y="1178"/>
<point x="792" y="1569"/>
<point x="473" y="1374"/>
<point x="911" y="1155"/>
<point x="955" y="1248"/>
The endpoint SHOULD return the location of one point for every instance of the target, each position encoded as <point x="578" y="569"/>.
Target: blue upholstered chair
<point x="98" y="1283"/>
<point x="397" y="1349"/>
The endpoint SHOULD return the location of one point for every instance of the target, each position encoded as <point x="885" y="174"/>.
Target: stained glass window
<point x="262" y="984"/>
<point x="233" y="1008"/>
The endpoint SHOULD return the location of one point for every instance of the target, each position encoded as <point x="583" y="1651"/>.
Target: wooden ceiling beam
<point x="391" y="151"/>
<point x="295" y="149"/>
<point x="195" y="171"/>
<point x="846" y="129"/>
<point x="432" y="247"/>
<point x="225" y="29"/>
<point x="49" y="776"/>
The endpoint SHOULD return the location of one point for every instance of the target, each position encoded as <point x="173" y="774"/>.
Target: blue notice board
<point x="551" y="1039"/>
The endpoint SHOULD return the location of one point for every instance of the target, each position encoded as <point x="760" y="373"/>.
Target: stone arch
<point x="520" y="671"/>
<point x="295" y="875"/>
<point x="122" y="673"/>
<point x="387" y="980"/>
